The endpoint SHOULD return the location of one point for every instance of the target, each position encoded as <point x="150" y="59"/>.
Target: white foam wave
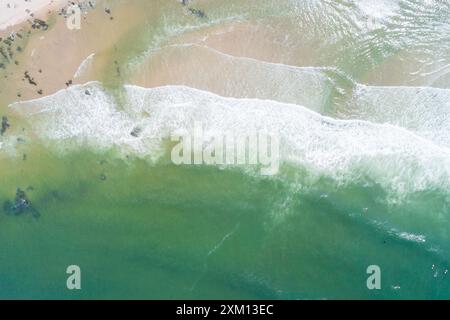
<point x="207" y="69"/>
<point x="423" y="110"/>
<point x="84" y="66"/>
<point x="378" y="9"/>
<point x="345" y="150"/>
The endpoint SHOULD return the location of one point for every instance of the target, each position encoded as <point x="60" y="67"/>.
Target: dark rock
<point x="198" y="13"/>
<point x="5" y="125"/>
<point x="10" y="53"/>
<point x="21" y="202"/>
<point x="30" y="79"/>
<point x="39" y="24"/>
<point x="8" y="42"/>
<point x="136" y="131"/>
<point x="20" y="205"/>
<point x="3" y="53"/>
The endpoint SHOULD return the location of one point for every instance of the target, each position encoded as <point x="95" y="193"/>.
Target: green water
<point x="150" y="231"/>
<point x="193" y="232"/>
<point x="141" y="229"/>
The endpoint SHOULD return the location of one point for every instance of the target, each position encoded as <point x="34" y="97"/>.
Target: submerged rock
<point x="198" y="13"/>
<point x="39" y="24"/>
<point x="4" y="54"/>
<point x="20" y="205"/>
<point x="5" y="125"/>
<point x="136" y="132"/>
<point x="21" y="201"/>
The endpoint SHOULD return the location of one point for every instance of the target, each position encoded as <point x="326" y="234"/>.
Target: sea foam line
<point x="345" y="150"/>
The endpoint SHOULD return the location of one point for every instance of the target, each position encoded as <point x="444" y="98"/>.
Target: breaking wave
<point x="344" y="150"/>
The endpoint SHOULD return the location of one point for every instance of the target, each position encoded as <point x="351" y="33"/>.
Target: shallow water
<point x="358" y="94"/>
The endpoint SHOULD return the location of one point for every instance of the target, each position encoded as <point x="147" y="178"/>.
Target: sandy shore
<point x="50" y="60"/>
<point x="14" y="12"/>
